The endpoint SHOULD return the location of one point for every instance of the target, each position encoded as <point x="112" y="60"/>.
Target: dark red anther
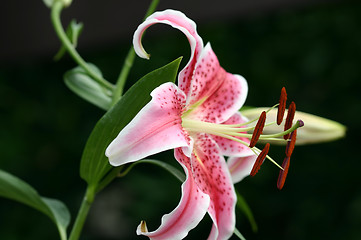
<point x="283" y="173"/>
<point x="291" y="144"/>
<point x="258" y="129"/>
<point x="282" y="106"/>
<point x="260" y="159"/>
<point x="290" y="115"/>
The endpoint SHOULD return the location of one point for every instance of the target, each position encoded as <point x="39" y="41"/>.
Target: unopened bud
<point x="315" y="130"/>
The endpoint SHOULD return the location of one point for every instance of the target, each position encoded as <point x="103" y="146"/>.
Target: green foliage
<point x="86" y="87"/>
<point x="239" y="234"/>
<point x="94" y="164"/>
<point x="14" y="188"/>
<point x="243" y="206"/>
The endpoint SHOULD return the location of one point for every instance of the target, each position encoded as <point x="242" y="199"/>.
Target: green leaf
<point x="243" y="206"/>
<point x="73" y="32"/>
<point x="87" y="88"/>
<point x="239" y="234"/>
<point x="94" y="165"/>
<point x="14" y="188"/>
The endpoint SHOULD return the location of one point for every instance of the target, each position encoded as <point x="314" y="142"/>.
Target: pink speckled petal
<point x="186" y="216"/>
<point x="230" y="147"/>
<point x="241" y="167"/>
<point x="227" y="96"/>
<point x="179" y="21"/>
<point x="157" y="127"/>
<point x="207" y="76"/>
<point x="213" y="178"/>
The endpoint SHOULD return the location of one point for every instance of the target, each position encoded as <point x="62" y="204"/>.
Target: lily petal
<point x="241" y="167"/>
<point x="223" y="93"/>
<point x="186" y="216"/>
<point x="181" y="22"/>
<point x="230" y="147"/>
<point x="207" y="76"/>
<point x="213" y="178"/>
<point x="156" y="128"/>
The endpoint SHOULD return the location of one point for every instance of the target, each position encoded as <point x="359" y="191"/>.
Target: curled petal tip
<point x="142" y="228"/>
<point x="139" y="50"/>
<point x="146" y="56"/>
<point x="175" y="19"/>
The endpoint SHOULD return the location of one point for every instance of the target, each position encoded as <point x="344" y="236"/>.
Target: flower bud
<point x="50" y="3"/>
<point x="315" y="130"/>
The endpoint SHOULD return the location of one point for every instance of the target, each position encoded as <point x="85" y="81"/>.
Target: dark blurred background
<point x="313" y="48"/>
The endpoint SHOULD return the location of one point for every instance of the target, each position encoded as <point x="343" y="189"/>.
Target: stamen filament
<point x="217" y="129"/>
<point x="230" y="127"/>
<point x="257" y="151"/>
<point x="195" y="124"/>
<point x="274" y="162"/>
<point x="275" y="136"/>
<point x="298" y="124"/>
<point x="231" y="138"/>
<point x="270" y="124"/>
<point x="251" y="121"/>
<point x="254" y="149"/>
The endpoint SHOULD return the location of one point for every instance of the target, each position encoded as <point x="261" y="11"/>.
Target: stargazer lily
<point x="199" y="118"/>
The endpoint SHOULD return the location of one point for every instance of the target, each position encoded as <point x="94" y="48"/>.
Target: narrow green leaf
<point x="87" y="88"/>
<point x="174" y="171"/>
<point x="94" y="165"/>
<point x="243" y="206"/>
<point x="73" y="32"/>
<point x="239" y="234"/>
<point x="14" y="188"/>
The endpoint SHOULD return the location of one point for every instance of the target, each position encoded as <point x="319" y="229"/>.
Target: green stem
<point x="109" y="178"/>
<point x="55" y="18"/>
<point x="83" y="213"/>
<point x="128" y="63"/>
<point x="129" y="60"/>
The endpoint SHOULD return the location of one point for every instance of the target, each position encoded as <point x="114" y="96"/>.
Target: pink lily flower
<point x="199" y="118"/>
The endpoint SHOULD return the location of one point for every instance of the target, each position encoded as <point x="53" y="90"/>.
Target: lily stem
<point x="55" y="18"/>
<point x="83" y="213"/>
<point x="109" y="178"/>
<point x="129" y="60"/>
<point x="119" y="87"/>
